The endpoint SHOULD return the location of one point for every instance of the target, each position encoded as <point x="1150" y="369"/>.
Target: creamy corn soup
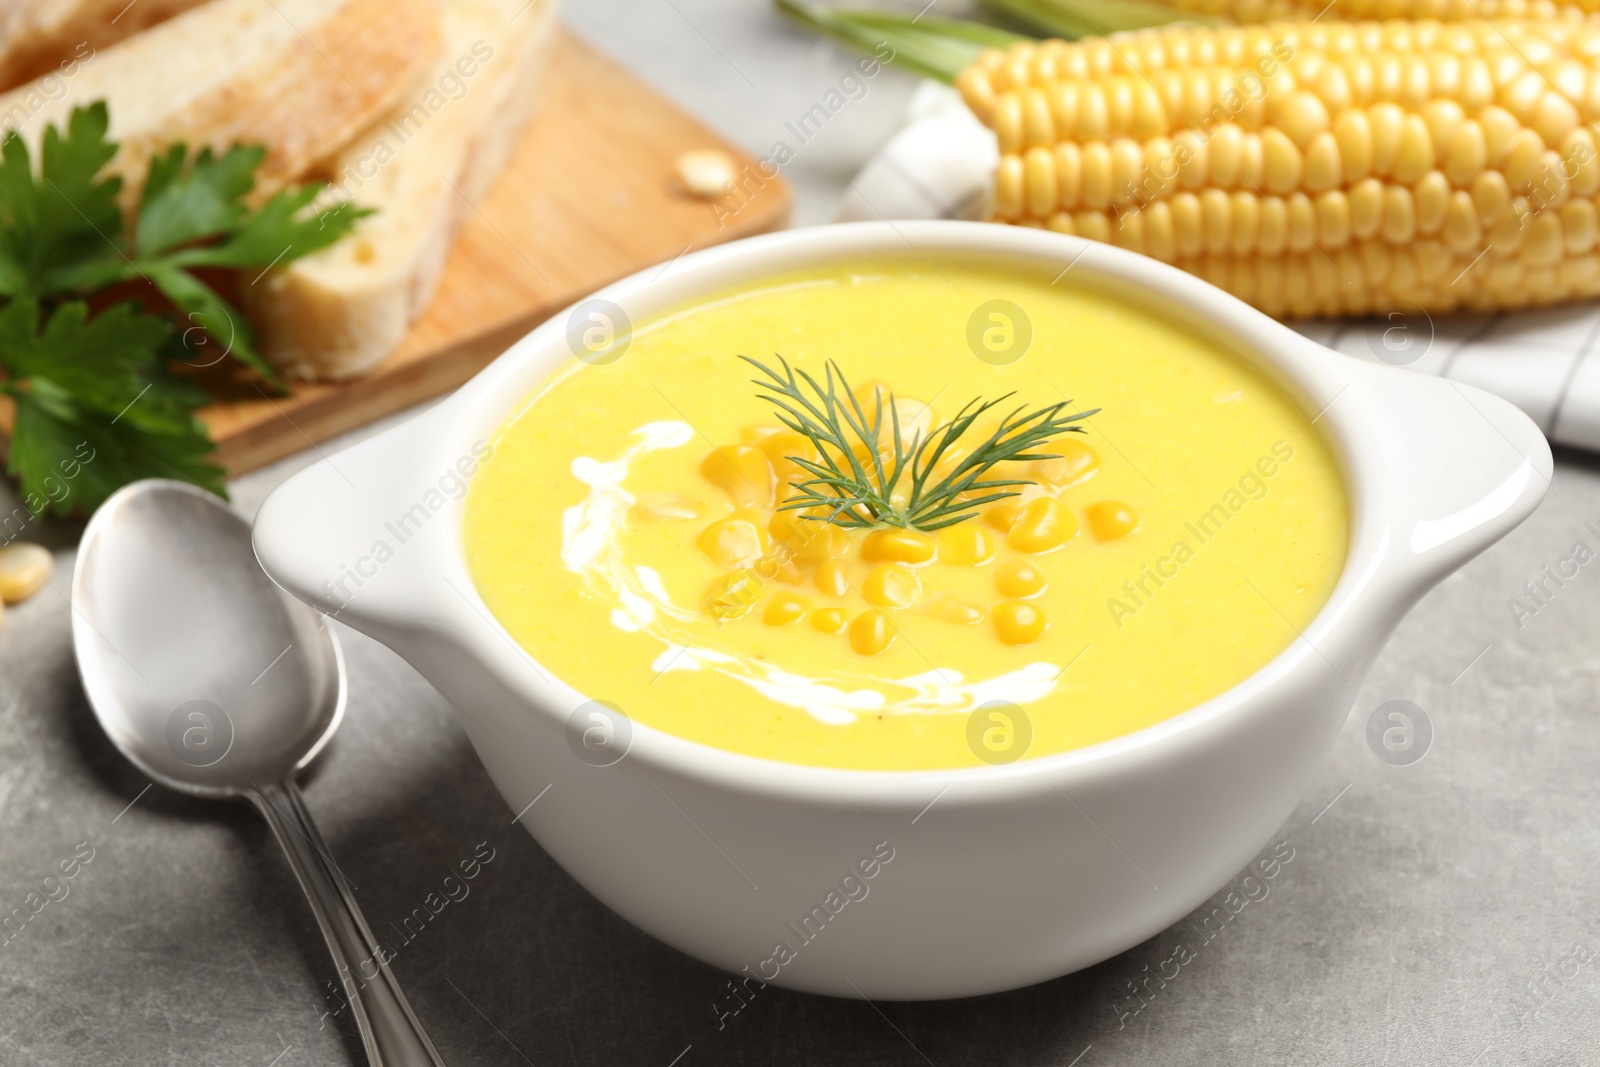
<point x="629" y="530"/>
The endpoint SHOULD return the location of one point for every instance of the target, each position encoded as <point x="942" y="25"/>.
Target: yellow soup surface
<point x="625" y="532"/>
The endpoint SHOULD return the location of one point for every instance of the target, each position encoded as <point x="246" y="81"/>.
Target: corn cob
<point x="1253" y="11"/>
<point x="1315" y="168"/>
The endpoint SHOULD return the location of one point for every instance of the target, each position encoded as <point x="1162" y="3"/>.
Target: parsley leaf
<point x="178" y="208"/>
<point x="206" y="200"/>
<point x="49" y="226"/>
<point x="94" y="408"/>
<point x="203" y="201"/>
<point x="64" y="232"/>
<point x="98" y="400"/>
<point x="278" y="233"/>
<point x="91" y="360"/>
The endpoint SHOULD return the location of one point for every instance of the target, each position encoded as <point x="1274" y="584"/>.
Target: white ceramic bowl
<point x="1000" y="876"/>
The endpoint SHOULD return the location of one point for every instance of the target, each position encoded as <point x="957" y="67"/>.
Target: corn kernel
<point x="733" y="596"/>
<point x="1500" y="129"/>
<point x="1432" y="198"/>
<point x="1018" y="623"/>
<point x="1467" y="155"/>
<point x="947" y="607"/>
<point x="1399" y="216"/>
<point x="810" y="540"/>
<point x="774" y="566"/>
<point x="1216" y="219"/>
<point x="1157" y="183"/>
<point x="1226" y="148"/>
<point x="827" y="541"/>
<point x="1284" y="162"/>
<point x="1074" y="462"/>
<point x="1323" y="169"/>
<point x="1044" y="525"/>
<point x="1039" y="181"/>
<point x="1097" y="188"/>
<point x="1353" y="132"/>
<point x="731" y="543"/>
<point x="1462" y="230"/>
<point x="1388" y="127"/>
<point x="1579" y="149"/>
<point x="1303" y="116"/>
<point x="706" y="172"/>
<point x="24" y="568"/>
<point x="1003" y="514"/>
<point x="789" y="528"/>
<point x="1555" y="117"/>
<point x="967" y="544"/>
<point x="915" y="417"/>
<point x="829" y="620"/>
<point x="864" y="454"/>
<point x="897" y="546"/>
<point x="831" y="577"/>
<point x="1521" y="96"/>
<point x="1008" y="183"/>
<point x="1578" y="220"/>
<point x="779" y="447"/>
<point x="1111" y="519"/>
<point x="1333" y="220"/>
<point x="1416" y="155"/>
<point x="892" y="585"/>
<point x="741" y="471"/>
<point x="666" y="507"/>
<point x="1018" y="578"/>
<point x="1247" y="222"/>
<point x="1161" y="239"/>
<point x="1526" y="161"/>
<point x="1546" y="241"/>
<point x="1274" y="233"/>
<point x="870" y="393"/>
<point x="870" y="633"/>
<point x="783" y="609"/>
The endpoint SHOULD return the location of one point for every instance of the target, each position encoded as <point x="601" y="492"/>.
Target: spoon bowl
<point x="215" y="682"/>
<point x="205" y="674"/>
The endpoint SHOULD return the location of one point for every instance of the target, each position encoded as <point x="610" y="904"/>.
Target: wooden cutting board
<point x="589" y="197"/>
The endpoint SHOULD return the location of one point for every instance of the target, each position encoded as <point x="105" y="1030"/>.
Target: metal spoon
<point x="215" y="682"/>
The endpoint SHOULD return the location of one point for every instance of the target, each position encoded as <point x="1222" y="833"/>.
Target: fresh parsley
<point x="97" y="386"/>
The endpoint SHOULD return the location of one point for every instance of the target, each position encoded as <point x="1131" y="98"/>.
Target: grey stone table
<point x="1442" y="913"/>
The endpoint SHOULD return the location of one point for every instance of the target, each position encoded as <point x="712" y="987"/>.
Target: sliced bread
<point x="38" y="37"/>
<point x="300" y="77"/>
<point x="424" y="166"/>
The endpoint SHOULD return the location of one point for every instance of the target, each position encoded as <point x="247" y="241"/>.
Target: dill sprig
<point x="858" y="491"/>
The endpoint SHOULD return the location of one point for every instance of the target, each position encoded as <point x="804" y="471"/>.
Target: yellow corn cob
<point x="1316" y="168"/>
<point x="1252" y="11"/>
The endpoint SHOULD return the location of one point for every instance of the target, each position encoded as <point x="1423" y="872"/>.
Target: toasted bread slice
<point x="337" y="313"/>
<point x="38" y="37"/>
<point x="300" y="77"/>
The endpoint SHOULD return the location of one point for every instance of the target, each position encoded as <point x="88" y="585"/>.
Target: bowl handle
<point x="358" y="534"/>
<point x="1460" y="468"/>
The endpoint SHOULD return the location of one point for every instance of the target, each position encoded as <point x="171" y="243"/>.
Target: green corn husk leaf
<point x="1075" y="19"/>
<point x="928" y="45"/>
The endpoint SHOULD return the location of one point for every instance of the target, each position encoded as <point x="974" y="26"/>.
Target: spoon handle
<point x="389" y="1028"/>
